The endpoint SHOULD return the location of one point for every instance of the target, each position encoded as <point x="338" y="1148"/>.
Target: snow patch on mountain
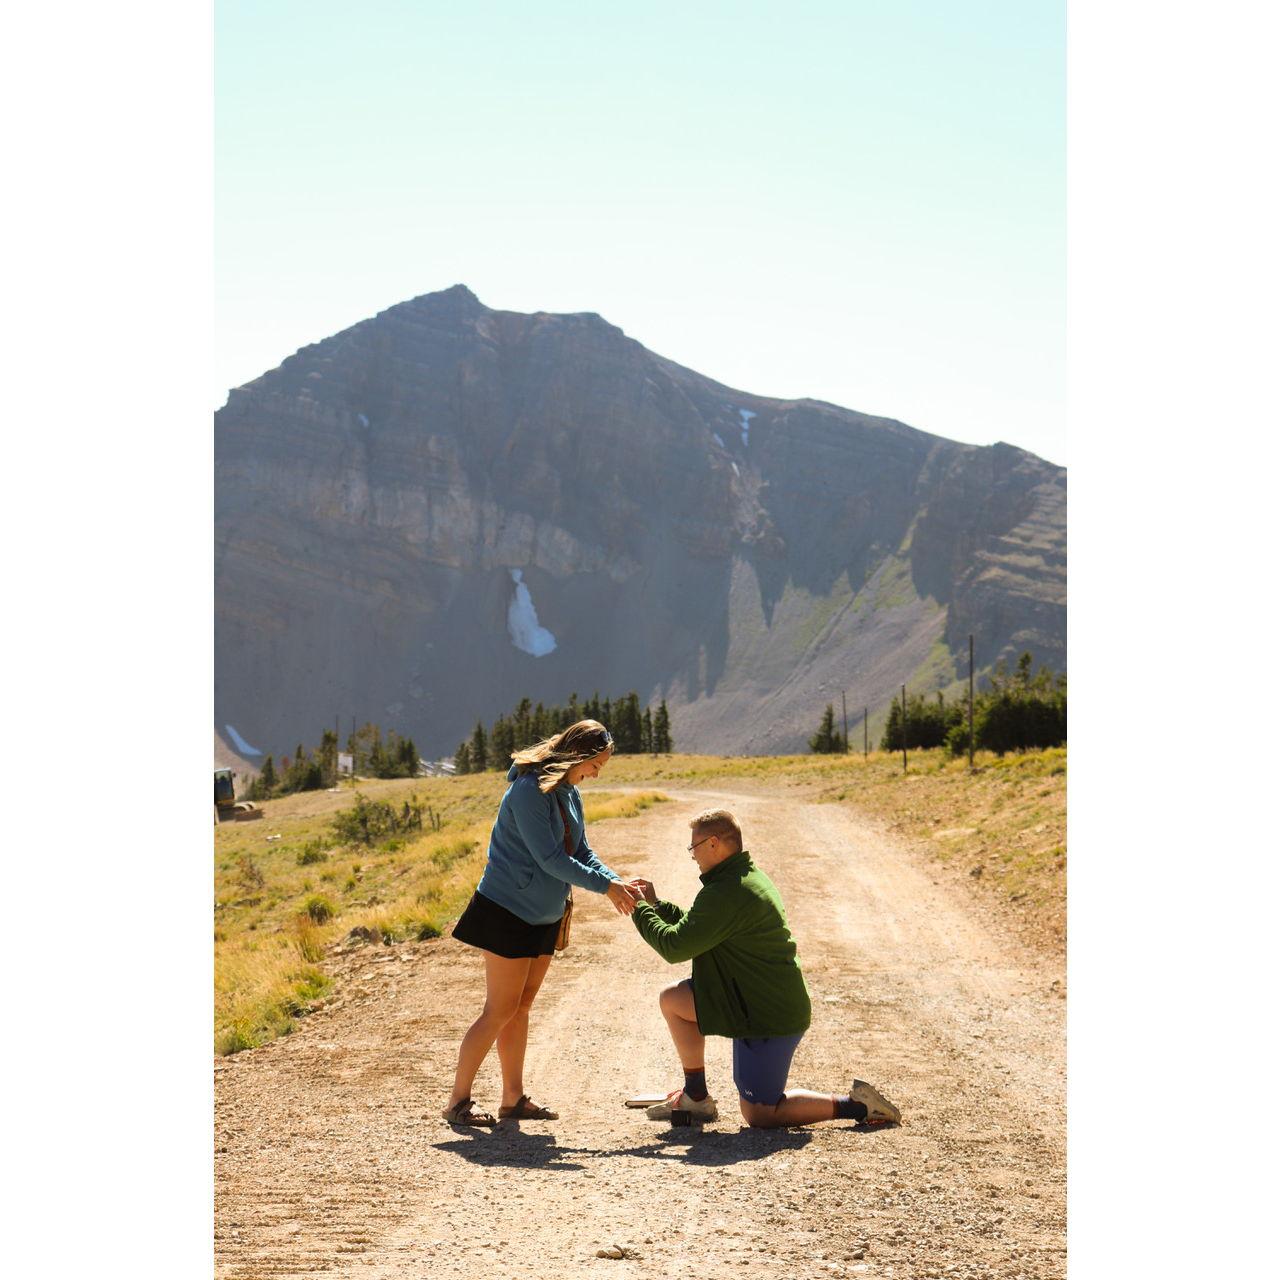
<point x="239" y="743"/>
<point x="522" y="621"/>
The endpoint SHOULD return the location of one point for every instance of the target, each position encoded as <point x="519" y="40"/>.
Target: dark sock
<point x="695" y="1085"/>
<point x="848" y="1109"/>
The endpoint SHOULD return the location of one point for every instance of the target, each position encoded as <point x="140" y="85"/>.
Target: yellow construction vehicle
<point x="226" y="807"/>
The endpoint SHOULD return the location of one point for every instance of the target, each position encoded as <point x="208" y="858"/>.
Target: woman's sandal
<point x="525" y="1109"/>
<point x="464" y="1113"/>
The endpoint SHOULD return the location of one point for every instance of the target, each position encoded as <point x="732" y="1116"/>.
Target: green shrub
<point x="311" y="852"/>
<point x="319" y="908"/>
<point x="370" y="821"/>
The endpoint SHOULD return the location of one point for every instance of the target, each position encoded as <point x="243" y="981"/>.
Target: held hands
<point x="646" y="890"/>
<point x="623" y="896"/>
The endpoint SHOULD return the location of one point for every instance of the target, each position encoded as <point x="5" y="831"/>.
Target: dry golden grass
<point x="285" y="889"/>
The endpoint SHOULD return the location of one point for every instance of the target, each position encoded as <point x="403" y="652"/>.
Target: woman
<point x="515" y="912"/>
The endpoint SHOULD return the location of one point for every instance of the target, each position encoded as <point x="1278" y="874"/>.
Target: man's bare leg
<point x="676" y="1003"/>
<point x="798" y="1106"/>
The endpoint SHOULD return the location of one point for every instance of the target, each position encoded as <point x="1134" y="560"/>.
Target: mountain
<point x="444" y="508"/>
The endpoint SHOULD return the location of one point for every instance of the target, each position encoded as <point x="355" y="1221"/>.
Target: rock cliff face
<point x="445" y="508"/>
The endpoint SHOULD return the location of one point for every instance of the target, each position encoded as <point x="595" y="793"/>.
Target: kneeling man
<point x="746" y="984"/>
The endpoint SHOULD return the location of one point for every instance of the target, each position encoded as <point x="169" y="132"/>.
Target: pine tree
<point x="380" y="760"/>
<point x="268" y="777"/>
<point x="329" y="757"/>
<point x="626" y="726"/>
<point x="479" y="750"/>
<point x="297" y="768"/>
<point x="828" y="739"/>
<point x="360" y="745"/>
<point x="662" y="730"/>
<point x="523" y="724"/>
<point x="502" y="742"/>
<point x="891" y="739"/>
<point x="646" y="732"/>
<point x="462" y="758"/>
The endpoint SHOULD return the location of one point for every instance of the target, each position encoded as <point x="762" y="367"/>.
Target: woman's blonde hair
<point x="553" y="757"/>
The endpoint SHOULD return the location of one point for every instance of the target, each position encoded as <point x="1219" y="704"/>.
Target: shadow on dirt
<point x="508" y="1146"/>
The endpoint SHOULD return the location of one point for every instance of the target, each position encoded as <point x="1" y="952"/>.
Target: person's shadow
<point x="508" y="1146"/>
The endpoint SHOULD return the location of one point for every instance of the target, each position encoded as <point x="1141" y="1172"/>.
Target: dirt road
<point x="331" y="1160"/>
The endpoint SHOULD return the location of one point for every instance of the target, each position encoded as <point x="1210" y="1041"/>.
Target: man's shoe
<point x="680" y="1101"/>
<point x="879" y="1109"/>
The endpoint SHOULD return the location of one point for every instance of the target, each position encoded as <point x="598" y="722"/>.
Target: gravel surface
<point x="331" y="1159"/>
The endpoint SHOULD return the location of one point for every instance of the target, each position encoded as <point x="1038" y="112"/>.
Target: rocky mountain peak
<point x="386" y="498"/>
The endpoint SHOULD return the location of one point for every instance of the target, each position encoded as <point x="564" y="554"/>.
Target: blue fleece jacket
<point x="528" y="871"/>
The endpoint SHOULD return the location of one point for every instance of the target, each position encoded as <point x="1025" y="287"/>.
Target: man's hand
<point x="623" y="896"/>
<point x="646" y="890"/>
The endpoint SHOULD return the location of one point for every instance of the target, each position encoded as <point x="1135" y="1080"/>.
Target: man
<point x="746" y="984"/>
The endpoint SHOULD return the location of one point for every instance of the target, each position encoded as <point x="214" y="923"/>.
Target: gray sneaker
<point x="679" y="1101"/>
<point x="879" y="1109"/>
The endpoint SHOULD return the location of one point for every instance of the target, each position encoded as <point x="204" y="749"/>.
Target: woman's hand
<point x="646" y="890"/>
<point x="623" y="896"/>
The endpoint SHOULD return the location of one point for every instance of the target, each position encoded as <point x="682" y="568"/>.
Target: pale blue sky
<point x="860" y="202"/>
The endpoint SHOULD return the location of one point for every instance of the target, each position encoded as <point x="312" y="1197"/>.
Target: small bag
<point x="566" y="920"/>
<point x="562" y="934"/>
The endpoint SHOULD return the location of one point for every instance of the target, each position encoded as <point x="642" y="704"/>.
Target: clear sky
<point x="856" y="201"/>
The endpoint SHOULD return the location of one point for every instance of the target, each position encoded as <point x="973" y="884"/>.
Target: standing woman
<point x="514" y="915"/>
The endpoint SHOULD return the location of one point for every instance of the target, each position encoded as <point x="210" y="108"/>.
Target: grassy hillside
<point x="286" y="887"/>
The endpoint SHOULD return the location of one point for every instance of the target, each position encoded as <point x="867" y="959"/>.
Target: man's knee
<point x="672" y="1000"/>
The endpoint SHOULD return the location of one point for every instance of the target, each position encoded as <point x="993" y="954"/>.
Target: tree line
<point x="373" y="756"/>
<point x="1018" y="711"/>
<point x="635" y="731"/>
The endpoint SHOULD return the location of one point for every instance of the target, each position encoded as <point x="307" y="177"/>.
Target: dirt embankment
<point x="331" y="1160"/>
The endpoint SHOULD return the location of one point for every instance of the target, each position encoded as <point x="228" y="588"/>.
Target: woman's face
<point x="588" y="768"/>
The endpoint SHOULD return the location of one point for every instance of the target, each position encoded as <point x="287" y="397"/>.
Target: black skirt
<point x="491" y="927"/>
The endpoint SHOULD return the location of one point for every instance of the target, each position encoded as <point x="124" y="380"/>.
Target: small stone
<point x="614" y="1251"/>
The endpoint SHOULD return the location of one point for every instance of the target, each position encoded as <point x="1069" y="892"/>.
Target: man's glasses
<point x="696" y="843"/>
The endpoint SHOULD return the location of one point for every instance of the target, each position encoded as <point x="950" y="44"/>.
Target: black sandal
<point x="464" y="1113"/>
<point x="526" y="1109"/>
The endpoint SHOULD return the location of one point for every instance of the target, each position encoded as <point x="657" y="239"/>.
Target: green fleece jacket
<point x="746" y="979"/>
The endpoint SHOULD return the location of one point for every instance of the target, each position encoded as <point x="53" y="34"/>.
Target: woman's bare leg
<point x="514" y="1037"/>
<point x="504" y="982"/>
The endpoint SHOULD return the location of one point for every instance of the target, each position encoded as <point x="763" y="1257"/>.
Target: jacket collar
<point x="736" y="864"/>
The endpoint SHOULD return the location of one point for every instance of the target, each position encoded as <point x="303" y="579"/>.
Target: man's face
<point x="704" y="849"/>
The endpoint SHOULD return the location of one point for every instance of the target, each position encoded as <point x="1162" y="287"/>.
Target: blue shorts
<point x="761" y="1066"/>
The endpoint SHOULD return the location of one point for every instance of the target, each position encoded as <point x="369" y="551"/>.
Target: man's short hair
<point x="719" y="822"/>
